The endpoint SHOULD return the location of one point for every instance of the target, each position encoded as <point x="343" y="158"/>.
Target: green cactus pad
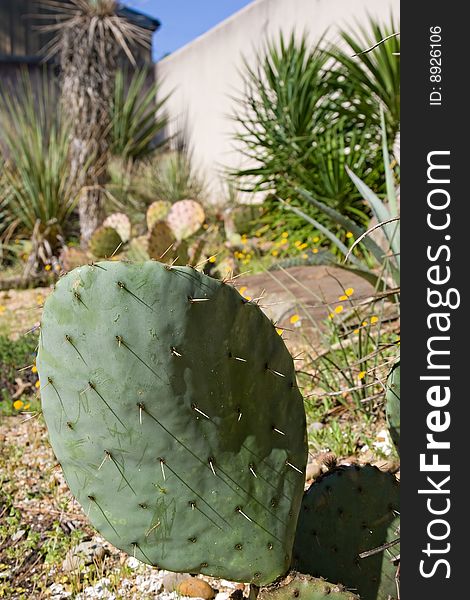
<point x="121" y="223"/>
<point x="137" y="250"/>
<point x="185" y="218"/>
<point x="351" y="510"/>
<point x="161" y="241"/>
<point x="172" y="406"/>
<point x="104" y="242"/>
<point x="157" y="211"/>
<point x="304" y="587"/>
<point x="392" y="399"/>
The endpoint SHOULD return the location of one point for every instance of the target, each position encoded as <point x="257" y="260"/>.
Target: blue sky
<point x="184" y="20"/>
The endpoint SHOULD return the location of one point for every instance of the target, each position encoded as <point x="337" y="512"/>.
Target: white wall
<point x="205" y="73"/>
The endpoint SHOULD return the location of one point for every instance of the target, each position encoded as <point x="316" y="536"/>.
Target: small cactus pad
<point x="296" y="586"/>
<point x="392" y="399"/>
<point x="172" y="406"/>
<point x="185" y="218"/>
<point x="137" y="250"/>
<point x="349" y="511"/>
<point x="104" y="242"/>
<point x="157" y="211"/>
<point x="161" y="241"/>
<point x="121" y="223"/>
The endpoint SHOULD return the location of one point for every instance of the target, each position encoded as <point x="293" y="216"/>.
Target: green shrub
<point x="15" y="355"/>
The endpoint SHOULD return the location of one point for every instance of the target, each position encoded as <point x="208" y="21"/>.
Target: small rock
<point x="132" y="562"/>
<point x="171" y="581"/>
<point x="18" y="535"/>
<point x="316" y="426"/>
<point x="83" y="554"/>
<point x="196" y="588"/>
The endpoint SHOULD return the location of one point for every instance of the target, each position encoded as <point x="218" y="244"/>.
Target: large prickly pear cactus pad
<point x="172" y="406"/>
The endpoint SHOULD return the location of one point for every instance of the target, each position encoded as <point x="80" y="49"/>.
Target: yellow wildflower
<point x="243" y="289"/>
<point x="364" y="323"/>
<point x="343" y="298"/>
<point x="339" y="309"/>
<point x="47" y="268"/>
<point x="18" y="404"/>
<point x="356" y="331"/>
<point x="361" y="375"/>
<point x="34" y="369"/>
<point x="374" y="320"/>
<point x="275" y="252"/>
<point x="279" y="331"/>
<point x="285" y="234"/>
<point x="316" y="240"/>
<point x="294" y="319"/>
<point x="37" y="385"/>
<point x="349" y="235"/>
<point x="349" y="292"/>
<point x="212" y="259"/>
<point x="26" y="406"/>
<point x="315" y="250"/>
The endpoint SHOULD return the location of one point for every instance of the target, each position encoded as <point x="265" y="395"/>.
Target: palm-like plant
<point x="89" y="35"/>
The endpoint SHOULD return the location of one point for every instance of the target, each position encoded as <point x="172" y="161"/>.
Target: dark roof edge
<point x="139" y="18"/>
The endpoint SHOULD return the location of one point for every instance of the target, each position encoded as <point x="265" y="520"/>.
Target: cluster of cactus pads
<point x="169" y="227"/>
<point x="173" y="408"/>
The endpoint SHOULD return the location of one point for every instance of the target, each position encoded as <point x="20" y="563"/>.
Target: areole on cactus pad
<point x="173" y="408"/>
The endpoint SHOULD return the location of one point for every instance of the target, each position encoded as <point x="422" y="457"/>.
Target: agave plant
<point x="38" y="191"/>
<point x="385" y="268"/>
<point x="89" y="35"/>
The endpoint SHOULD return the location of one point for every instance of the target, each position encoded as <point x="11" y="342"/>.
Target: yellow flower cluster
<point x="373" y="320"/>
<point x="339" y="309"/>
<point x="244" y="257"/>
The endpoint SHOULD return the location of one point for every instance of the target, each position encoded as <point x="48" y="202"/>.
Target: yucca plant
<point x="172" y="176"/>
<point x="89" y="36"/>
<point x="38" y="191"/>
<point x="299" y="124"/>
<point x="137" y="121"/>
<point x="367" y="73"/>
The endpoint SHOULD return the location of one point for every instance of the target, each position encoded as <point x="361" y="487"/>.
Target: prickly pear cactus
<point x="392" y="400"/>
<point x="161" y="241"/>
<point x="185" y="218"/>
<point x="104" y="242"/>
<point x="172" y="406"/>
<point x="121" y="223"/>
<point x="304" y="587"/>
<point x="349" y="511"/>
<point x="137" y="250"/>
<point x="157" y="211"/>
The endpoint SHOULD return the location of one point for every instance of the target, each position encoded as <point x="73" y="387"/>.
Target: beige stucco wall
<point x="204" y="75"/>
